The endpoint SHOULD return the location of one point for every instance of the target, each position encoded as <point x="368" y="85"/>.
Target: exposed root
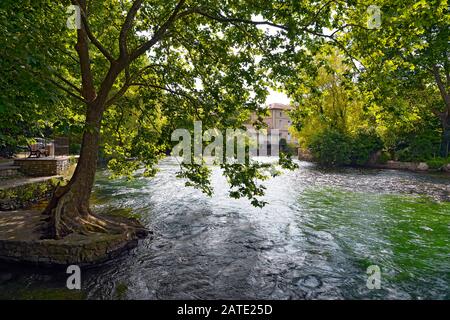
<point x="65" y="215"/>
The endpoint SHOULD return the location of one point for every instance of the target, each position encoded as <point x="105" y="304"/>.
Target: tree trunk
<point x="68" y="211"/>
<point x="445" y="139"/>
<point x="444" y="116"/>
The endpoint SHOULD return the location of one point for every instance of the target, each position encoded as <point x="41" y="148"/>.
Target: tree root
<point x="66" y="215"/>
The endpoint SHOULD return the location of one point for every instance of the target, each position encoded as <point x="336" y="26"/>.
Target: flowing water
<point x="315" y="239"/>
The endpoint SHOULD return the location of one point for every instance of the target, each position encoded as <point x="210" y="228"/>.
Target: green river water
<point x="315" y="239"/>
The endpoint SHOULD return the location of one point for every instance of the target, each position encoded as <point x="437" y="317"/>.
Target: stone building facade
<point x="278" y="119"/>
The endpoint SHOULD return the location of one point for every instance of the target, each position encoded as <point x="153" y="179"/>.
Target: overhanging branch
<point x="127" y="26"/>
<point x="70" y="84"/>
<point x="222" y="18"/>
<point x="158" y="34"/>
<point x="91" y="36"/>
<point x="59" y="86"/>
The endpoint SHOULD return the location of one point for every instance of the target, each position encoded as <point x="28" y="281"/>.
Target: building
<point x="278" y="119"/>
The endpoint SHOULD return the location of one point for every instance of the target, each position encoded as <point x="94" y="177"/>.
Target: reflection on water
<point x="314" y="240"/>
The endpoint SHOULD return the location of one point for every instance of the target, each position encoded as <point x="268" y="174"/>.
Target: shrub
<point x="384" y="157"/>
<point x="420" y="147"/>
<point x="331" y="147"/>
<point x="292" y="149"/>
<point x="283" y="145"/>
<point x="336" y="148"/>
<point x="437" y="163"/>
<point x="288" y="148"/>
<point x="364" y="144"/>
<point x="74" y="148"/>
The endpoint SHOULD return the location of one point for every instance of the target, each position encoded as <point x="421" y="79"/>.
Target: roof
<point x="279" y="106"/>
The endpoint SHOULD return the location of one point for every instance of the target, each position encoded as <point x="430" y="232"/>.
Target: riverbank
<point x="390" y="164"/>
<point x="21" y="221"/>
<point x="409" y="166"/>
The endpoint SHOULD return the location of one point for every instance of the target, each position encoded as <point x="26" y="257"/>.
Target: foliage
<point x="331" y="147"/>
<point x="285" y="161"/>
<point x="364" y="144"/>
<point x="384" y="157"/>
<point x="419" y="147"/>
<point x="26" y="195"/>
<point x="335" y="148"/>
<point x="330" y="101"/>
<point x="243" y="180"/>
<point x="438" y="162"/>
<point x="330" y="117"/>
<point x="25" y="99"/>
<point x="177" y="62"/>
<point x="74" y="148"/>
<point x="198" y="176"/>
<point x="404" y="64"/>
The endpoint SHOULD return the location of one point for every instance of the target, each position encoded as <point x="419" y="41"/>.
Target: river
<point x="315" y="239"/>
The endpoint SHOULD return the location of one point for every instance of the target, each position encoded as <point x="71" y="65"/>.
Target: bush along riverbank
<point x="364" y="148"/>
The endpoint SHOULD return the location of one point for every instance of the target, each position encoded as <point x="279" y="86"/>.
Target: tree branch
<point x="47" y="78"/>
<point x="67" y="90"/>
<point x="127" y="26"/>
<point x="128" y="80"/>
<point x="91" y="36"/>
<point x="444" y="94"/>
<point x="87" y="80"/>
<point x="339" y="44"/>
<point x="119" y="94"/>
<point x="70" y="84"/>
<point x="225" y="19"/>
<point x="174" y="92"/>
<point x="158" y="34"/>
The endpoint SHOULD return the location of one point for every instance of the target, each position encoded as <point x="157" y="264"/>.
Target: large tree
<point x="139" y="69"/>
<point x="407" y="54"/>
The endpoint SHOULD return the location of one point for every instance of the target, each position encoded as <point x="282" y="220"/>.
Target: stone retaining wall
<point x="74" y="249"/>
<point x="39" y="167"/>
<point x="398" y="165"/>
<point x="10" y="171"/>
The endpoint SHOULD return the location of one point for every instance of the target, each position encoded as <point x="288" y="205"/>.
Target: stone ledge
<point x="20" y="243"/>
<point x="9" y="171"/>
<point x="398" y="165"/>
<point x="71" y="250"/>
